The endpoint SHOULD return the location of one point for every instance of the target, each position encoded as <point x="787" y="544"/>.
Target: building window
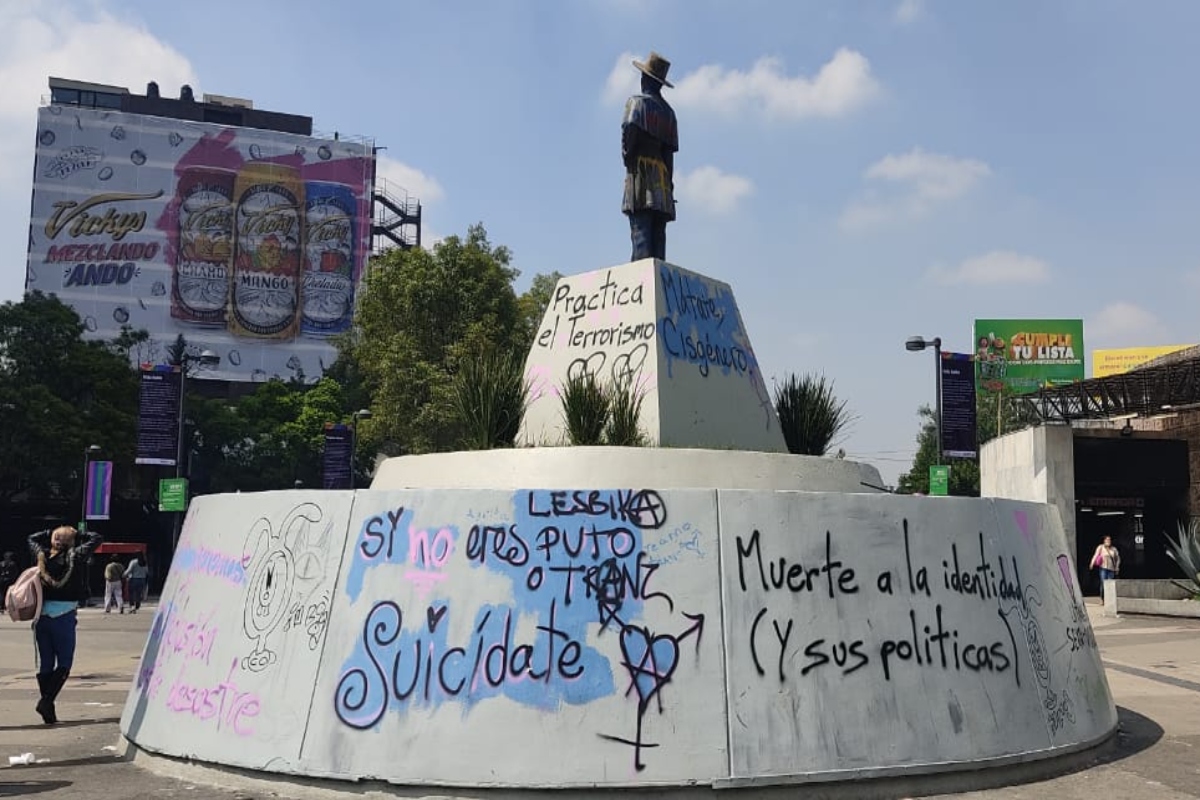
<point x="69" y="97"/>
<point x="108" y="100"/>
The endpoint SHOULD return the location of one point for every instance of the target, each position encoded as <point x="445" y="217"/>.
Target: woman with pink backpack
<point x="60" y="559"/>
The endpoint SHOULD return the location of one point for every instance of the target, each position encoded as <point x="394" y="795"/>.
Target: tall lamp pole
<point x="88" y="452"/>
<point x="363" y="413"/>
<point x="916" y="344"/>
<point x="206" y="359"/>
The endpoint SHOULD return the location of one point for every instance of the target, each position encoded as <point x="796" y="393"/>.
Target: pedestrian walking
<point x="136" y="574"/>
<point x="113" y="575"/>
<point x="9" y="571"/>
<point x="1106" y="559"/>
<point x="59" y="555"/>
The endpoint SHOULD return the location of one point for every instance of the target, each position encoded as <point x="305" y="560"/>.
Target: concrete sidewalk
<point x="1153" y="668"/>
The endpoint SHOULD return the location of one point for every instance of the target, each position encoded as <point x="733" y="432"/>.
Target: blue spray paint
<point x="576" y="567"/>
<point x="377" y="544"/>
<point x="701" y="326"/>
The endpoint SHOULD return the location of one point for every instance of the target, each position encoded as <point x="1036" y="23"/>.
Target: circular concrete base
<point x="745" y="584"/>
<point x="948" y="779"/>
<point x="659" y="467"/>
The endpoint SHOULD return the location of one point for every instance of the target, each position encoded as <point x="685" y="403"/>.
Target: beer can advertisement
<point x="1019" y="356"/>
<point x="249" y="243"/>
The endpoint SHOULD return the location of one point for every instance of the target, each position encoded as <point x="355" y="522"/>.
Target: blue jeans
<point x="648" y="230"/>
<point x="55" y="637"/>
<point x="137" y="588"/>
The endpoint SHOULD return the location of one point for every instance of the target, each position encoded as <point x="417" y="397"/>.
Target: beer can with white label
<point x="200" y="280"/>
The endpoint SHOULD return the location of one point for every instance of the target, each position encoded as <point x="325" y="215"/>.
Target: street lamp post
<point x="363" y="413"/>
<point x="206" y="358"/>
<point x="88" y="452"/>
<point x="916" y="344"/>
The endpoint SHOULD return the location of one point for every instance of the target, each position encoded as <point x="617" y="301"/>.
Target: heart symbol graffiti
<point x="627" y="366"/>
<point x="586" y="366"/>
<point x="651" y="661"/>
<point x="433" y="616"/>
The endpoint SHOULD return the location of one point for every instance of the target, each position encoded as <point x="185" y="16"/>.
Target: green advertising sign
<point x="939" y="480"/>
<point x="172" y="494"/>
<point x="1018" y="356"/>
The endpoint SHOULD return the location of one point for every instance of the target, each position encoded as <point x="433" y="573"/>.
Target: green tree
<point x="964" y="473"/>
<point x="422" y="312"/>
<point x="271" y="439"/>
<point x="58" y="395"/>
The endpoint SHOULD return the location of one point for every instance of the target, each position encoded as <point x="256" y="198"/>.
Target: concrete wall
<point x="712" y="392"/>
<point x="883" y="631"/>
<point x="677" y="335"/>
<point x="616" y="638"/>
<point x="480" y="632"/>
<point x="240" y="629"/>
<point x="603" y="323"/>
<point x="1036" y="464"/>
<point x="1159" y="597"/>
<point x="662" y="467"/>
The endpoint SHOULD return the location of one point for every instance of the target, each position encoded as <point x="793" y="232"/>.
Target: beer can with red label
<point x="200" y="280"/>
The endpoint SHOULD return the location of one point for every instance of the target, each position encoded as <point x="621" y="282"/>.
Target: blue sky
<point x="859" y="171"/>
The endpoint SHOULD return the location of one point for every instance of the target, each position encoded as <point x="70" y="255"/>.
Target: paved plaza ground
<point x="1153" y="668"/>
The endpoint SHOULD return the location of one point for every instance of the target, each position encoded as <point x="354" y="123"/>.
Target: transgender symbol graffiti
<point x="651" y="661"/>
<point x="282" y="563"/>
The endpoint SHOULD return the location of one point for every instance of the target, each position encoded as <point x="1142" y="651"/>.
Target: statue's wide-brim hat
<point x="656" y="67"/>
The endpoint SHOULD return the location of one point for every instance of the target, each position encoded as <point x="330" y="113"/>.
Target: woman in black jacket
<point x="60" y="558"/>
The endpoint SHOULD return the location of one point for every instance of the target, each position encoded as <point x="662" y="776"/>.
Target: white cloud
<point x="922" y="180"/>
<point x="996" y="267"/>
<point x="401" y="179"/>
<point x="841" y="86"/>
<point x="43" y="38"/>
<point x="711" y="191"/>
<point x="1124" y="324"/>
<point x="623" y="79"/>
<point x="909" y="10"/>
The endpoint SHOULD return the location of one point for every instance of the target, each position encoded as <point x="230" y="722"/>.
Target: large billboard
<point x="1114" y="362"/>
<point x="250" y="243"/>
<point x="1018" y="356"/>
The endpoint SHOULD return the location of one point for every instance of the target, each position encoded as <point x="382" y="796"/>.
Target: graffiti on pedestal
<point x="574" y="563"/>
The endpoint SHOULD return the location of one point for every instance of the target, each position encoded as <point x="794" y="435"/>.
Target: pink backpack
<point x="24" y="598"/>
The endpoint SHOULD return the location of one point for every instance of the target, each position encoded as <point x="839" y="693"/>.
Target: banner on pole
<point x="959" y="432"/>
<point x="338" y="457"/>
<point x="99" y="490"/>
<point x="159" y="396"/>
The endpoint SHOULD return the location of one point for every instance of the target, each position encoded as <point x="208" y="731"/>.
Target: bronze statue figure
<point x="649" y="141"/>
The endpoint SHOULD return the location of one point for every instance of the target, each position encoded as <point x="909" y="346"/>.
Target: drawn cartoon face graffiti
<point x="272" y="568"/>
<point x="270" y="588"/>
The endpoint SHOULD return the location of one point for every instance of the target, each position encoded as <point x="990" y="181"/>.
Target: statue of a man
<point x="649" y="141"/>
